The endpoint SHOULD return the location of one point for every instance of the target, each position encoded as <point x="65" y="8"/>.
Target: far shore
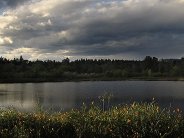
<point x="42" y="80"/>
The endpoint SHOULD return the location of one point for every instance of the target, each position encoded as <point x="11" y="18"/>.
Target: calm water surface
<point x="64" y="96"/>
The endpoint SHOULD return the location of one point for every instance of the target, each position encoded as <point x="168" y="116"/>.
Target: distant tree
<point x="21" y="59"/>
<point x="66" y="61"/>
<point x="148" y="62"/>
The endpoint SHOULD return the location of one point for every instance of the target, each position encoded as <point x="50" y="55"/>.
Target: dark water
<point x="67" y="95"/>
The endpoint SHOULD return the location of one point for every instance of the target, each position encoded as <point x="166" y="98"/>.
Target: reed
<point x="135" y="120"/>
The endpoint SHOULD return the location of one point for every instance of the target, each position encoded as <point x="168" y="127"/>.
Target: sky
<point x="115" y="29"/>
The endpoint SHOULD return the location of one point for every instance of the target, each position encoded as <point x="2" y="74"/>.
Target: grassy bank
<point x="135" y="120"/>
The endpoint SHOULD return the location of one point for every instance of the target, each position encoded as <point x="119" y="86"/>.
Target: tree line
<point x="20" y="70"/>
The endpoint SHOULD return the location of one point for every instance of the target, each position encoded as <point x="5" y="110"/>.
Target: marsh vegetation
<point x="135" y="120"/>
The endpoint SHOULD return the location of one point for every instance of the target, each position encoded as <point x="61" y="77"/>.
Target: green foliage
<point x="135" y="120"/>
<point x="20" y="70"/>
<point x="14" y="124"/>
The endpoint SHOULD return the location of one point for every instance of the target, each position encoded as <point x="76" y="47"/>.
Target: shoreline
<point x="42" y="80"/>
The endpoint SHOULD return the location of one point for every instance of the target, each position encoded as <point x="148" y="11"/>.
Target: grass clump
<point x="135" y="120"/>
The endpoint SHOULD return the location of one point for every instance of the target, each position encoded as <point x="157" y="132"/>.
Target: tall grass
<point x="136" y="120"/>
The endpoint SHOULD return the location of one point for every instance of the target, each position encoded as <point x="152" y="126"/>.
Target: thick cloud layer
<point x="11" y="3"/>
<point x="99" y="28"/>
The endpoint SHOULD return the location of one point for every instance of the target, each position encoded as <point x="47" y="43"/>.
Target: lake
<point x="63" y="96"/>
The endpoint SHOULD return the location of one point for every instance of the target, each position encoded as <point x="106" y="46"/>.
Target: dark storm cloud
<point x="11" y="3"/>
